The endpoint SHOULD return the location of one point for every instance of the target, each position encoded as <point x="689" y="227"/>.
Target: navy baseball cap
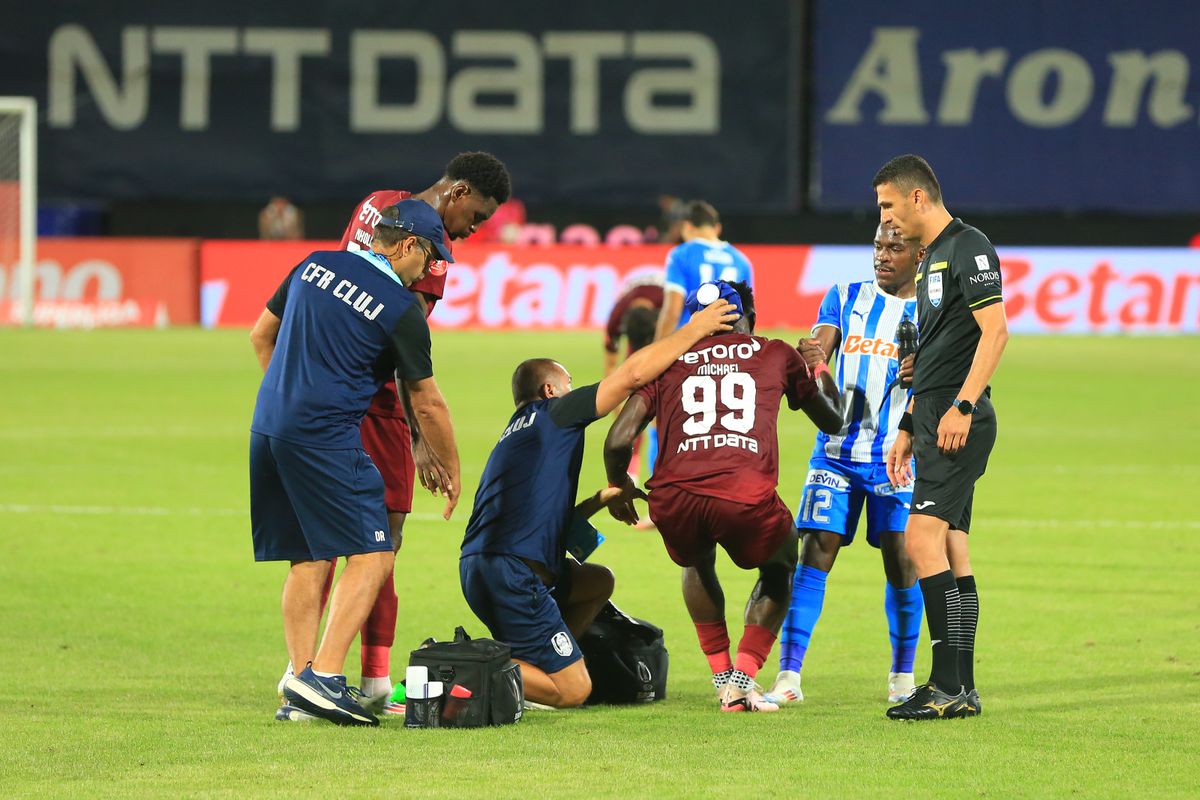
<point x="419" y="218"/>
<point x="709" y="293"/>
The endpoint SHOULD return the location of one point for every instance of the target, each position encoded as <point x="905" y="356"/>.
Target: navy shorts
<point x="518" y="609"/>
<point x="310" y="505"/>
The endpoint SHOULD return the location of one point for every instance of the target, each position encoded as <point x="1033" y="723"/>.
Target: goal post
<point x="18" y="204"/>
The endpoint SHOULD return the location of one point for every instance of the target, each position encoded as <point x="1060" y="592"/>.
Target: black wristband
<point x="906" y="423"/>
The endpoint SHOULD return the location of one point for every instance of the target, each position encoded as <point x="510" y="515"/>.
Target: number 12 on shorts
<point x="815" y="503"/>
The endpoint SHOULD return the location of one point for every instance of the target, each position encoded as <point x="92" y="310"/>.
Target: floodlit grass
<point x="140" y="644"/>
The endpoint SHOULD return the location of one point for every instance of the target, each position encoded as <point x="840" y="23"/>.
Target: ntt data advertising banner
<point x="594" y="104"/>
<point x="1047" y="290"/>
<point x="1018" y="106"/>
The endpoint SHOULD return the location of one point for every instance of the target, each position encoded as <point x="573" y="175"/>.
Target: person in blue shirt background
<point x="702" y="258"/>
<point x="340" y="325"/>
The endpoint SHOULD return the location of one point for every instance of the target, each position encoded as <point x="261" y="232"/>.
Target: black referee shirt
<point x="960" y="274"/>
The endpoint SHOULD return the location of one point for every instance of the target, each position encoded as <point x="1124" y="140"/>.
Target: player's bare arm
<point x="603" y="498"/>
<point x="668" y="318"/>
<point x="648" y="363"/>
<point x="618" y="449"/>
<point x="824" y="407"/>
<point x="993" y="336"/>
<point x="263" y="337"/>
<point x="899" y="457"/>
<point x="430" y="471"/>
<point x="430" y="410"/>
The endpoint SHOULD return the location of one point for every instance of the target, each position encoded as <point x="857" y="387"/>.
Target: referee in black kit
<point x="950" y="425"/>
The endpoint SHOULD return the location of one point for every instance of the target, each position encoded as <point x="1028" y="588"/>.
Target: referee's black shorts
<point x="945" y="485"/>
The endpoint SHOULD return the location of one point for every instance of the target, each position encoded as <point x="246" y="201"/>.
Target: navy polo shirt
<point x="348" y="324"/>
<point x="526" y="496"/>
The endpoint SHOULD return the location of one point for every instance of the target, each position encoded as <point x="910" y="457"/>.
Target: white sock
<point x="375" y="687"/>
<point x="325" y="674"/>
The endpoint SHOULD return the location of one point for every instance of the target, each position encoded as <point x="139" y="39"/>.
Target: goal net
<point x="18" y="208"/>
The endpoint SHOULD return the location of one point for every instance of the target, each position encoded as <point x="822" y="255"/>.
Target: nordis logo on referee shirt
<point x="869" y="347"/>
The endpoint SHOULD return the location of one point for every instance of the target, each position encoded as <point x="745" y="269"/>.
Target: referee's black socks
<point x="943" y="609"/>
<point x="968" y="622"/>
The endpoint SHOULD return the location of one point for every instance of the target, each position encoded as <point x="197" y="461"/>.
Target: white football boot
<point x="786" y="689"/>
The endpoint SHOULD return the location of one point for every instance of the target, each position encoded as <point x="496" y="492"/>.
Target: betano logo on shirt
<point x="870" y="347"/>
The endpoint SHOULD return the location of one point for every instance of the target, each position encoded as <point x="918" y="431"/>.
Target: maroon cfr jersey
<point x="716" y="409"/>
<point x="359" y="231"/>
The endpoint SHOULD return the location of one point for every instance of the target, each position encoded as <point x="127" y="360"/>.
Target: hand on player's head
<point x="717" y="317"/>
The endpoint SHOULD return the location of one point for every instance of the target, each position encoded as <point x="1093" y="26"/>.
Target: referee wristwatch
<point x="965" y="407"/>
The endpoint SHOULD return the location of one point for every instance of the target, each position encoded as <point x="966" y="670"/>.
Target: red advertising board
<point x="496" y="286"/>
<point x="1048" y="290"/>
<point x="98" y="282"/>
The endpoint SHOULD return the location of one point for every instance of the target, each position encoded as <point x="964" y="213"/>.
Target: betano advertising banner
<point x="1047" y="290"/>
<point x="593" y="104"/>
<point x="1024" y="106"/>
<point x="101" y="282"/>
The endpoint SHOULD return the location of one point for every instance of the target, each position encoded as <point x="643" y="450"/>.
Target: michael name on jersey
<point x="869" y="347"/>
<point x="347" y="292"/>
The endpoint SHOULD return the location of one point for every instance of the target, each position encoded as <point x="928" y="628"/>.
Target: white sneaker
<point x="786" y="689"/>
<point x="900" y="686"/>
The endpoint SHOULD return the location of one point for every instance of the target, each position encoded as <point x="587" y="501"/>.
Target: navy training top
<point x="347" y="325"/>
<point x="526" y="496"/>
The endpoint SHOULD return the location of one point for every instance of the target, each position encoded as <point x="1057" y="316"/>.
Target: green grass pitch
<point x="140" y="644"/>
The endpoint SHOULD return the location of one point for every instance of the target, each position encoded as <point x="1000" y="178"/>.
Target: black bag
<point x="625" y="657"/>
<point x="485" y="667"/>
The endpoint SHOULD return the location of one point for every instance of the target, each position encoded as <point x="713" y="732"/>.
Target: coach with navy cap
<point x="337" y="328"/>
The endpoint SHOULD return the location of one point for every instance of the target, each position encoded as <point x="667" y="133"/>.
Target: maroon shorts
<point x="691" y="524"/>
<point x="387" y="442"/>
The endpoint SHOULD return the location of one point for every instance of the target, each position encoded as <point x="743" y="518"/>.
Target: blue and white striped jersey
<point x="700" y="261"/>
<point x="867" y="369"/>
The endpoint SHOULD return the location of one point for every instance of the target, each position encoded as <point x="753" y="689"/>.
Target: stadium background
<point x="139" y="638"/>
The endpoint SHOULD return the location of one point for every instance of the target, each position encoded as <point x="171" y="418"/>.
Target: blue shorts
<point x="310" y="505"/>
<point x="518" y="609"/>
<point x="833" y="497"/>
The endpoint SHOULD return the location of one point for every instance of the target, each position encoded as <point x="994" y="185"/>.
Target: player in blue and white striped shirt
<point x="848" y="469"/>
